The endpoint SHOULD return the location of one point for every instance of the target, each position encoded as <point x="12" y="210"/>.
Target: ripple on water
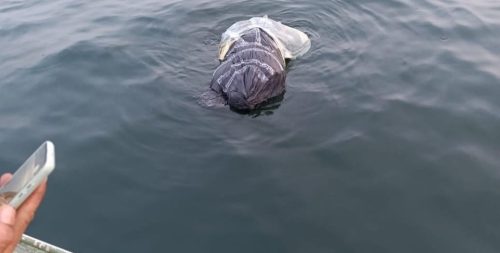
<point x="393" y="95"/>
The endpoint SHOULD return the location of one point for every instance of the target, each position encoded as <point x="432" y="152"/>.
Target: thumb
<point x="7" y="220"/>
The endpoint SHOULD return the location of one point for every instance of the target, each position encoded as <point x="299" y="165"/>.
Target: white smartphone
<point x="29" y="176"/>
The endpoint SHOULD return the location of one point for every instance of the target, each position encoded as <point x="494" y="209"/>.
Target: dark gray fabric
<point x="252" y="72"/>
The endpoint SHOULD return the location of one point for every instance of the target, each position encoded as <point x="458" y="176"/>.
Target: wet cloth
<point x="252" y="72"/>
<point x="252" y="55"/>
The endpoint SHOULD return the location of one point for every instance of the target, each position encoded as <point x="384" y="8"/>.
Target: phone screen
<point x="24" y="174"/>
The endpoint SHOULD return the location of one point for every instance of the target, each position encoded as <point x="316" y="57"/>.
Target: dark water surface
<point x="387" y="139"/>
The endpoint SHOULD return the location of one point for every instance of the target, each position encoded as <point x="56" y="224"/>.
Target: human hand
<point x="13" y="223"/>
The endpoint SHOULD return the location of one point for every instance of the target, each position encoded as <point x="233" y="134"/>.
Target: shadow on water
<point x="211" y="100"/>
<point x="264" y="109"/>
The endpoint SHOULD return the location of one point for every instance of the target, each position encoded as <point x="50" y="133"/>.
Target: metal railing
<point x="29" y="244"/>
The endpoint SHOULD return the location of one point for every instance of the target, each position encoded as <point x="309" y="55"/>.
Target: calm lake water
<point x="387" y="139"/>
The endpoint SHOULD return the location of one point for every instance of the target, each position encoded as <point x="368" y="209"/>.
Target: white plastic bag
<point x="292" y="42"/>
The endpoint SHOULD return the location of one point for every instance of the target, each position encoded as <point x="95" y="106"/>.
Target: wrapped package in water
<point x="253" y="57"/>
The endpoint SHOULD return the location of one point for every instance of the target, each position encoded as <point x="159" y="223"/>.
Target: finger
<point x="26" y="213"/>
<point x="7" y="234"/>
<point x="5" y="178"/>
<point x="27" y="210"/>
